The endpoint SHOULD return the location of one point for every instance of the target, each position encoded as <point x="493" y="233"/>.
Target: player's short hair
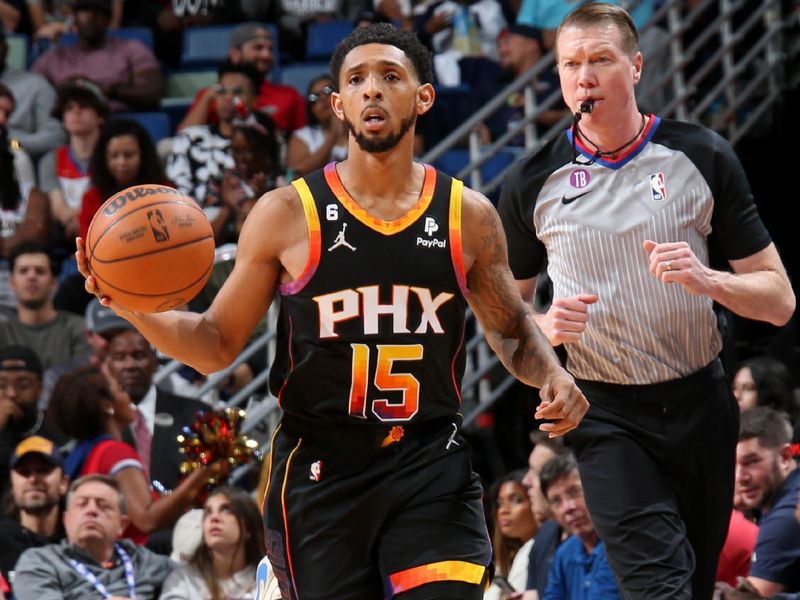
<point x="770" y="427"/>
<point x="554" y="469"/>
<point x="601" y="13"/>
<point x="388" y="34"/>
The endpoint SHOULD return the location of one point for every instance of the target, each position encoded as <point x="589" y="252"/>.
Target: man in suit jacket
<point x="132" y="362"/>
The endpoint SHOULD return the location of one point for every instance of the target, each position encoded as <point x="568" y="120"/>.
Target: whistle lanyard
<point x="101" y="589"/>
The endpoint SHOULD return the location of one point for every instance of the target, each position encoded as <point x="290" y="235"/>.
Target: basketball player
<point x="623" y="206"/>
<point x="371" y="492"/>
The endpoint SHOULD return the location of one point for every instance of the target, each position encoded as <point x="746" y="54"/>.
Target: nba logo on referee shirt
<point x="657" y="187"/>
<point x="315" y="472"/>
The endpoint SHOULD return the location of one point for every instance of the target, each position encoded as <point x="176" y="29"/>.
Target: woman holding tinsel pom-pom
<point x="224" y="564"/>
<point x="90" y="407"/>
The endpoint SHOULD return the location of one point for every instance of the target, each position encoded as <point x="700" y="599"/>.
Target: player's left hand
<point x="563" y="404"/>
<point x="676" y="262"/>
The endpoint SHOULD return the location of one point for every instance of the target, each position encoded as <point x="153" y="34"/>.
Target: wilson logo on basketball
<point x="158" y="225"/>
<point x="134" y="194"/>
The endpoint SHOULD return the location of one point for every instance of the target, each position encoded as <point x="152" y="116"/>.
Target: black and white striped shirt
<point x="681" y="182"/>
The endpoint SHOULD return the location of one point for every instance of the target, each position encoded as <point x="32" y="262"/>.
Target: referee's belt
<point x="369" y="436"/>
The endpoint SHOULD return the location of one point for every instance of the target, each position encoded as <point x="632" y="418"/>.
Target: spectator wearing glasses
<point x="251" y="43"/>
<point x="580" y="568"/>
<point x="256" y="152"/>
<point x="201" y="153"/>
<point x="324" y="139"/>
<point x="20" y="417"/>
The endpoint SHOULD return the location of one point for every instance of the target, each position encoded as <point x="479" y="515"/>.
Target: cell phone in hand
<point x="503" y="584"/>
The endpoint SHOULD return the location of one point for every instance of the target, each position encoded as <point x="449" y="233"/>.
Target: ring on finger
<point x="668" y="265"/>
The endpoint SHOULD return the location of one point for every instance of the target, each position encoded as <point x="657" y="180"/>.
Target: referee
<point x="622" y="207"/>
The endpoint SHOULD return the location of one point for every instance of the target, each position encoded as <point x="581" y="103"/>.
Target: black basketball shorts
<point x="358" y="521"/>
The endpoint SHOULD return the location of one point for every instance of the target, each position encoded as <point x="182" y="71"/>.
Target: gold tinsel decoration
<point x="212" y="436"/>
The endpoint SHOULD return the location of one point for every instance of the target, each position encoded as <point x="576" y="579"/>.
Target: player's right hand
<point x="90" y="285"/>
<point x="562" y="404"/>
<point x="83" y="265"/>
<point x="566" y="318"/>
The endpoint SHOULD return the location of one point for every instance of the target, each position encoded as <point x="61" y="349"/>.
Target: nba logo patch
<point x="657" y="187"/>
<point x="315" y="472"/>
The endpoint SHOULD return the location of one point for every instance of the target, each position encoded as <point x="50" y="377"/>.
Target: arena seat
<point x="157" y="123"/>
<point x="322" y="38"/>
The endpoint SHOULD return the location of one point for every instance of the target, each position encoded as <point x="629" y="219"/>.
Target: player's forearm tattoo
<point x="514" y="334"/>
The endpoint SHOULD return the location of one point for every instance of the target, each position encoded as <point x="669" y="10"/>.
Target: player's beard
<point x="379" y="145"/>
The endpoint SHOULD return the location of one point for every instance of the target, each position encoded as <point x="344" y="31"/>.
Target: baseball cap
<point x="103" y="5"/>
<point x="36" y="444"/>
<point x="527" y="31"/>
<point x="19" y="358"/>
<point x="100" y="319"/>
<point x="247" y="32"/>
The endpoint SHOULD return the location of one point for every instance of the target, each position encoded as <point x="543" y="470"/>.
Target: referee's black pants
<point x="657" y="465"/>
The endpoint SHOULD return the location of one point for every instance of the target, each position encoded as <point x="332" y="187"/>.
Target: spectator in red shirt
<point x="252" y="43"/>
<point x="737" y="553"/>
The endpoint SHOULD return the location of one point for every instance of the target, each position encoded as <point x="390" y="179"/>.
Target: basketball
<point x="150" y="248"/>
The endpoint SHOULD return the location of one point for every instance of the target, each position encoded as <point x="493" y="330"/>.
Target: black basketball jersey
<point x="373" y="330"/>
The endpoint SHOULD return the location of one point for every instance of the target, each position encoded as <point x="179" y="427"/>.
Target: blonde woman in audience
<point x="223" y="567"/>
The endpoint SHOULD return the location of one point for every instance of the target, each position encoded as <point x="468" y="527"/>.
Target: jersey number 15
<point x="385" y="380"/>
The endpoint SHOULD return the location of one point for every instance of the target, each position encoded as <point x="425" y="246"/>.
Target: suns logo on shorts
<point x="315" y="472"/>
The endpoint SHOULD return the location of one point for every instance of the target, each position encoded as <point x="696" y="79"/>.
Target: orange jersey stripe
<point x="379" y="225"/>
<point x="456" y="248"/>
<point x="314" y="239"/>
<point x="448" y="570"/>
<point x="269" y="471"/>
<point x="285" y="519"/>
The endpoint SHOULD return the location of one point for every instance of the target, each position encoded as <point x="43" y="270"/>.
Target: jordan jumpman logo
<point x="340" y="241"/>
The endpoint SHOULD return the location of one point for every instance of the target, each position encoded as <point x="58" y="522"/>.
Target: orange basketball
<point x="150" y="248"/>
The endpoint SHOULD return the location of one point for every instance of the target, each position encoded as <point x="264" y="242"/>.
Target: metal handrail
<point x="683" y="92"/>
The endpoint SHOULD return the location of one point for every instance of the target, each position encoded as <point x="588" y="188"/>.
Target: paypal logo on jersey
<point x="431" y="227"/>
